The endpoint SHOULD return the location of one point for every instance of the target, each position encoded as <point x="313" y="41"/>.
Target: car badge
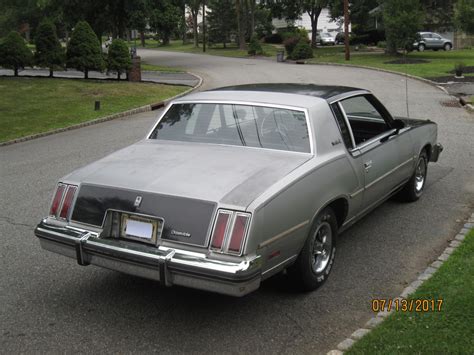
<point x="138" y="201"/>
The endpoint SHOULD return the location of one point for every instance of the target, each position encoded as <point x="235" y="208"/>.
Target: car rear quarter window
<point x="341" y="122"/>
<point x="232" y="124"/>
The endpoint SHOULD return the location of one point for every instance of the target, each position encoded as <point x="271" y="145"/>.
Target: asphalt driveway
<point x="50" y="304"/>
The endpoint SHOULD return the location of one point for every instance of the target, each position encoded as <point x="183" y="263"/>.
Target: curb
<point x="468" y="107"/>
<point x="114" y="116"/>
<point x="347" y="343"/>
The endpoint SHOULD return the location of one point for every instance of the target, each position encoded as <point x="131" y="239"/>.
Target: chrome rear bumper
<point x="170" y="266"/>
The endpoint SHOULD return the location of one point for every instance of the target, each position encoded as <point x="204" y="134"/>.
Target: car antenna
<point x="406" y="82"/>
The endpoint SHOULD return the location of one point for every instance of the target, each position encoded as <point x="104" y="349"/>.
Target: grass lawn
<point x="440" y="62"/>
<point x="450" y="331"/>
<point x="231" y="51"/>
<point x="34" y="105"/>
<point x="151" y="67"/>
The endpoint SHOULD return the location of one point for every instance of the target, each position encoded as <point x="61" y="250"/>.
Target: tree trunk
<point x="252" y="17"/>
<point x="86" y="73"/>
<point x="314" y="15"/>
<point x="118" y="75"/>
<point x="240" y="27"/>
<point x="166" y="39"/>
<point x="195" y="28"/>
<point x="15" y="71"/>
<point x="142" y="38"/>
<point x="204" y="25"/>
<point x="50" y="72"/>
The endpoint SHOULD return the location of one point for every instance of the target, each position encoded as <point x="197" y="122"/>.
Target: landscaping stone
<point x="455" y="243"/>
<point x="448" y="250"/>
<point x="436" y="264"/>
<point x="359" y="333"/>
<point x="443" y="257"/>
<point x="335" y="352"/>
<point x="373" y="322"/>
<point x="460" y="237"/>
<point x="345" y="344"/>
<point x="407" y="291"/>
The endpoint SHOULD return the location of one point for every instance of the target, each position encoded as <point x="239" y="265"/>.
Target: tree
<point x="402" y="20"/>
<point x="240" y="25"/>
<point x="361" y="20"/>
<point x="165" y="20"/>
<point x="221" y="21"/>
<point x="84" y="51"/>
<point x="14" y="54"/>
<point x="314" y="8"/>
<point x="464" y="15"/>
<point x="438" y="14"/>
<point x="118" y="58"/>
<point x="49" y="52"/>
<point x="194" y="8"/>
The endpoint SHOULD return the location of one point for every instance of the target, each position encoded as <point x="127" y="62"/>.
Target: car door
<point x="380" y="151"/>
<point x="437" y="41"/>
<point x="428" y="39"/>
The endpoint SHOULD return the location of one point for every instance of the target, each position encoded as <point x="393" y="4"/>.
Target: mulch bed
<point x="466" y="70"/>
<point x="446" y="79"/>
<point x="407" y="61"/>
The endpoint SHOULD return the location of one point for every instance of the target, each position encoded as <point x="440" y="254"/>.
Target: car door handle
<point x="367" y="165"/>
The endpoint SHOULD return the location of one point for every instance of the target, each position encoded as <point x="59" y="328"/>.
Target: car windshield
<point x="325" y="35"/>
<point x="241" y="125"/>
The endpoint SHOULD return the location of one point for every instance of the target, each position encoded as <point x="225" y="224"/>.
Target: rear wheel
<point x="421" y="47"/>
<point x="415" y="186"/>
<point x="314" y="263"/>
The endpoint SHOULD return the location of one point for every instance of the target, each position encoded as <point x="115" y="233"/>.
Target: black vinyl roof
<point x="323" y="91"/>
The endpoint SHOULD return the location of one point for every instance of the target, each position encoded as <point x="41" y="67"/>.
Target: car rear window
<point x="240" y="125"/>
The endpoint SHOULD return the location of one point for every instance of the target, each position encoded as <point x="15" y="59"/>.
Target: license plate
<point x="141" y="228"/>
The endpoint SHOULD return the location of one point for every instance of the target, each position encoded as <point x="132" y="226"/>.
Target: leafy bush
<point x="290" y="44"/>
<point x="254" y="46"/>
<point x="118" y="58"/>
<point x="382" y="44"/>
<point x="49" y="52"/>
<point x="14" y="54"/>
<point x="83" y="51"/>
<point x="302" y="50"/>
<point x="274" y="38"/>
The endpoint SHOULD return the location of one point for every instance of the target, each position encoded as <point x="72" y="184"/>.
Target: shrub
<point x="459" y="68"/>
<point x="302" y="50"/>
<point x="49" y="52"/>
<point x="118" y="58"/>
<point x="14" y="54"/>
<point x="255" y="47"/>
<point x="83" y="51"/>
<point x="290" y="44"/>
<point x="274" y="38"/>
<point x="382" y="44"/>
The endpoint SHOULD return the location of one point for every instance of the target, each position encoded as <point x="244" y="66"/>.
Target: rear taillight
<point x="220" y="229"/>
<point x="62" y="200"/>
<point x="238" y="232"/>
<point x="58" y="196"/>
<point x="230" y="231"/>
<point x="71" y="191"/>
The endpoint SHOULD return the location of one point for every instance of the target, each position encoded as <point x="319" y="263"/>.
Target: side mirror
<point x="398" y="124"/>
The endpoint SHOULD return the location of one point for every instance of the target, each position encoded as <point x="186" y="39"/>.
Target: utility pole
<point x="204" y="26"/>
<point x="346" y="30"/>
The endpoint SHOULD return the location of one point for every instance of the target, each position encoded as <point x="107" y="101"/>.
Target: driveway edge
<point x="347" y="343"/>
<point x="114" y="116"/>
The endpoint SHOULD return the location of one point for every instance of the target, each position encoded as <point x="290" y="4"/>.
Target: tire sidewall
<point x="311" y="279"/>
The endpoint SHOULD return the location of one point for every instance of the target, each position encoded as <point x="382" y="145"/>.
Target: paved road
<point x="50" y="304"/>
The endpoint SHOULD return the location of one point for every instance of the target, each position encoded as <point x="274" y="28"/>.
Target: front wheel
<point x="415" y="186"/>
<point x="314" y="263"/>
<point x="447" y="47"/>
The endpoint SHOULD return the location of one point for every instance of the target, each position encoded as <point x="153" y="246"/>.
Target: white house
<point x="325" y="23"/>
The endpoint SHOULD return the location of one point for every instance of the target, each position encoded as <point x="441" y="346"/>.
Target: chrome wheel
<point x="322" y="245"/>
<point x="420" y="175"/>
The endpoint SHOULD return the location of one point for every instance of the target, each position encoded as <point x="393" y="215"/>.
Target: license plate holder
<point x="145" y="229"/>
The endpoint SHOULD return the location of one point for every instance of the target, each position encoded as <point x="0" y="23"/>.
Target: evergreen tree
<point x="84" y="51"/>
<point x="165" y="20"/>
<point x="221" y="21"/>
<point x="118" y="59"/>
<point x="464" y="15"/>
<point x="14" y="54"/>
<point x="49" y="52"/>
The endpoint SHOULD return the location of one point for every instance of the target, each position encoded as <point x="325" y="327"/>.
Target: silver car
<point x="234" y="185"/>
<point x="325" y="38"/>
<point x="431" y="40"/>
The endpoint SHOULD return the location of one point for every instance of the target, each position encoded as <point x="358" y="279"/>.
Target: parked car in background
<point x="325" y="38"/>
<point x="431" y="40"/>
<point x="234" y="185"/>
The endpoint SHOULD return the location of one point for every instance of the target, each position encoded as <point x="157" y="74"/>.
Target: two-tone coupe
<point x="234" y="185"/>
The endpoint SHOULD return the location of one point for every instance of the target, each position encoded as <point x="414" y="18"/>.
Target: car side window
<point x="436" y="36"/>
<point x="365" y="120"/>
<point x="341" y="122"/>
